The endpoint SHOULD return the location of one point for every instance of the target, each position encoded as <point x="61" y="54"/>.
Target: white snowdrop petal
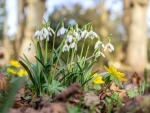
<point x="61" y="31"/>
<point x="44" y="36"/>
<point x="83" y="33"/>
<point x="110" y="47"/>
<point x="45" y="31"/>
<point x="103" y="45"/>
<point x="87" y="35"/>
<point x="51" y="30"/>
<point x="65" y="48"/>
<point x="102" y="54"/>
<point x="70" y="38"/>
<point x="58" y="33"/>
<point x="29" y="48"/>
<point x="35" y="34"/>
<point x="95" y="34"/>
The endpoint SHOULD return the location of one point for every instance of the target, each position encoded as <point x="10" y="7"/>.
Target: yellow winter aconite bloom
<point x="98" y="80"/>
<point x="22" y="72"/>
<point x="14" y="64"/>
<point x="11" y="71"/>
<point x="113" y="72"/>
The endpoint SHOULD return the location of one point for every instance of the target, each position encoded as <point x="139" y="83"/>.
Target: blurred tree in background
<point x="27" y="22"/>
<point x="2" y="12"/>
<point x="135" y="12"/>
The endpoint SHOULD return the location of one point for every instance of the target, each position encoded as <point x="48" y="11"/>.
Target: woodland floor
<point x="72" y="96"/>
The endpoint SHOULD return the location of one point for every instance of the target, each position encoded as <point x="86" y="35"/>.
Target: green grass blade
<point x="11" y="94"/>
<point x="39" y="51"/>
<point x="28" y="71"/>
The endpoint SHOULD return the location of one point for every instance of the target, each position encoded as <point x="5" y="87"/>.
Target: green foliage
<point x="11" y="94"/>
<point x="132" y="93"/>
<point x="74" y="109"/>
<point x="113" y="99"/>
<point x="50" y="75"/>
<point x="54" y="88"/>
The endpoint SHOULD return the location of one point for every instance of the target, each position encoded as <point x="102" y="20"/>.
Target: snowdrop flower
<point x="98" y="43"/>
<point x="29" y="48"/>
<point x="39" y="34"/>
<point x="69" y="38"/>
<point x="77" y="35"/>
<point x="61" y="31"/>
<point x="73" y="45"/>
<point x="51" y="30"/>
<point x="98" y="53"/>
<point x="92" y="35"/>
<point x="45" y="31"/>
<point x="110" y="47"/>
<point x="84" y="34"/>
<point x="65" y="48"/>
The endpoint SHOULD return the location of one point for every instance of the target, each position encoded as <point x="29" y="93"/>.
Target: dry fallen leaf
<point x="133" y="87"/>
<point x="90" y="99"/>
<point x="136" y="80"/>
<point x="3" y="82"/>
<point x="70" y="91"/>
<point x="113" y="87"/>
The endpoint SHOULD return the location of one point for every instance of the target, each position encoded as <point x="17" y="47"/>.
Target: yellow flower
<point x="11" y="71"/>
<point x="98" y="80"/>
<point x="113" y="72"/>
<point x="22" y="72"/>
<point x="14" y="64"/>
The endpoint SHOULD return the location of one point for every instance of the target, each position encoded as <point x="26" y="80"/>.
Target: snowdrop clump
<point x="73" y="35"/>
<point x="75" y="65"/>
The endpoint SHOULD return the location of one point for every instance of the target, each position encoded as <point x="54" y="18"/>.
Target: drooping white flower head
<point x="98" y="44"/>
<point x="92" y="35"/>
<point x="61" y="31"/>
<point x="98" y="53"/>
<point x="51" y="30"/>
<point x="45" y="31"/>
<point x="84" y="34"/>
<point x="69" y="38"/>
<point x="65" y="48"/>
<point x="29" y="48"/>
<point x="77" y="35"/>
<point x="41" y="34"/>
<point x="110" y="47"/>
<point x="36" y="34"/>
<point x="73" y="46"/>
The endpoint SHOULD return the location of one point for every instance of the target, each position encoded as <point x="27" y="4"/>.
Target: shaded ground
<point x="75" y="100"/>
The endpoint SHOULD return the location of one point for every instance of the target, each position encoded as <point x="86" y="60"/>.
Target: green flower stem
<point x="51" y="76"/>
<point x="106" y="38"/>
<point x="50" y="72"/>
<point x="60" y="52"/>
<point x="38" y="64"/>
<point x="68" y="59"/>
<point x="46" y="47"/>
<point x="107" y="85"/>
<point x="86" y="53"/>
<point x="82" y="49"/>
<point x="72" y="56"/>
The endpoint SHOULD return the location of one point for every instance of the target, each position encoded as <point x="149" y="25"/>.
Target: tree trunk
<point x="34" y="17"/>
<point x="21" y="24"/>
<point x="137" y="35"/>
<point x="103" y="20"/>
<point x="6" y="40"/>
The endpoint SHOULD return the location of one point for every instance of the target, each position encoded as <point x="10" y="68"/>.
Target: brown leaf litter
<point x="3" y="82"/>
<point x="73" y="95"/>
